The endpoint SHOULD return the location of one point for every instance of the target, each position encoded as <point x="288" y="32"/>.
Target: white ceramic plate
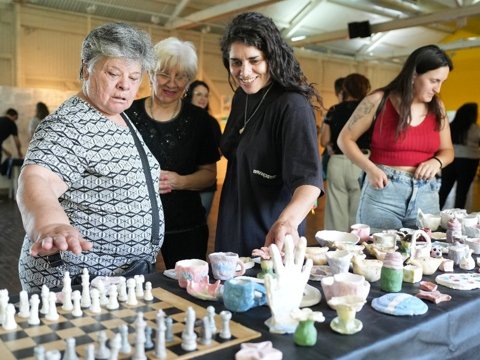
<point x="248" y="262"/>
<point x="170" y="273"/>
<point x="459" y="281"/>
<point x="439" y="236"/>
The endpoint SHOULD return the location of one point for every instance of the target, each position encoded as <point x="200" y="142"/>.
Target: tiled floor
<point x="11" y="233"/>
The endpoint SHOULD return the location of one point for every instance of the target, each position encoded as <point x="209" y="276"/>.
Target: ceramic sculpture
<point x="391" y="276"/>
<point x="345" y="284"/>
<point x="346" y="307"/>
<point x="306" y="333"/>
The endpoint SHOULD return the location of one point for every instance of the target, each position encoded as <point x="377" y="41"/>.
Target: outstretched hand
<point x="285" y="290"/>
<point x="58" y="237"/>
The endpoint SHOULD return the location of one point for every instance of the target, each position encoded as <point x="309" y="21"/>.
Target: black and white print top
<point x="107" y="197"/>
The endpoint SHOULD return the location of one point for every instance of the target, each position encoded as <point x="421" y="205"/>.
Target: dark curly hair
<point x="420" y="61"/>
<point x="255" y="29"/>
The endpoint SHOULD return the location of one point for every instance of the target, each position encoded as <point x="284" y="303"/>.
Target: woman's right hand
<point x="377" y="178"/>
<point x="58" y="237"/>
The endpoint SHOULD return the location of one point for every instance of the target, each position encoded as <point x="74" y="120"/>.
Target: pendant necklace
<point x="245" y="120"/>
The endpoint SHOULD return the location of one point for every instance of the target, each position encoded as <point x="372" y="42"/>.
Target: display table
<point x="447" y="330"/>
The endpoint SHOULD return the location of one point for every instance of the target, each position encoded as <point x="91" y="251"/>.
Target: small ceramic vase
<point x="306" y="334"/>
<point x="391" y="276"/>
<point x="454" y="229"/>
<point x="457" y="252"/>
<point x="346" y="307"/>
<point x="267" y="268"/>
<point x="467" y="262"/>
<point x="339" y="261"/>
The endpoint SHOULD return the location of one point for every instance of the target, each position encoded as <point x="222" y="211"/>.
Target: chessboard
<point x="20" y="343"/>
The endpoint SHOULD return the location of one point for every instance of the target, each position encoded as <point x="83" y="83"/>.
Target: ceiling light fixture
<point x="298" y="38"/>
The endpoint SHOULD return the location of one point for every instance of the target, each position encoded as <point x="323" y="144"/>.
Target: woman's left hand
<point x="427" y="169"/>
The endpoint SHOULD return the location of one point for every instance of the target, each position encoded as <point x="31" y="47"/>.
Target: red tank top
<point x="418" y="143"/>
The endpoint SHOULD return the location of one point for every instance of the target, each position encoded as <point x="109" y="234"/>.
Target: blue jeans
<point x="396" y="205"/>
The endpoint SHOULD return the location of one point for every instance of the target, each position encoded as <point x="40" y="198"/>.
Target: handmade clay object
<point x="400" y="304"/>
<point x="433" y="296"/>
<point x="419" y="249"/>
<point x="459" y="281"/>
<point x="361" y="230"/>
<point x="428" y="286"/>
<point x="317" y="254"/>
<point x="474" y="244"/>
<point x="224" y="265"/>
<point x="454" y="230"/>
<point x="391" y="275"/>
<point x="346" y="307"/>
<point x="261" y="351"/>
<point x="332" y="237"/>
<point x="448" y="214"/>
<point x="369" y="268"/>
<point x="204" y="290"/>
<point x="412" y="273"/>
<point x="194" y="270"/>
<point x="319" y="272"/>
<point x="467" y="262"/>
<point x="385" y="241"/>
<point x="345" y="284"/>
<point x="240" y="295"/>
<point x="446" y="265"/>
<point x="339" y="261"/>
<point x="457" y="252"/>
<point x="472" y="231"/>
<point x="431" y="221"/>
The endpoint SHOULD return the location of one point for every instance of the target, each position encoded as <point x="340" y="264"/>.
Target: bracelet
<point x="439" y="161"/>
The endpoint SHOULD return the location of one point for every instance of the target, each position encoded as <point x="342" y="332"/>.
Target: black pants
<point x="189" y="244"/>
<point x="461" y="170"/>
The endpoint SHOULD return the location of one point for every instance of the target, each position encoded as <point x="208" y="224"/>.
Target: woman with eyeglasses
<point x="180" y="137"/>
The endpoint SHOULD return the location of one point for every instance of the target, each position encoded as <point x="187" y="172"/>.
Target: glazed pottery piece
<point x="399" y="304"/>
<point x="385" y="241"/>
<point x="240" y="295"/>
<point x="433" y="296"/>
<point x="345" y="284"/>
<point x="194" y="270"/>
<point x="262" y="351"/>
<point x="391" y="276"/>
<point x="457" y="252"/>
<point x="346" y="306"/>
<point x="474" y="244"/>
<point x="331" y="238"/>
<point x="317" y="254"/>
<point x="469" y="221"/>
<point x="459" y="281"/>
<point x="448" y="214"/>
<point x="204" y="290"/>
<point x="454" y="230"/>
<point x="412" y="273"/>
<point x="339" y="261"/>
<point x="225" y="264"/>
<point x="369" y="268"/>
<point x="267" y="268"/>
<point x="306" y="334"/>
<point x="467" y="262"/>
<point x="319" y="272"/>
<point x="361" y="230"/>
<point x="446" y="265"/>
<point x="420" y="249"/>
<point x="431" y="221"/>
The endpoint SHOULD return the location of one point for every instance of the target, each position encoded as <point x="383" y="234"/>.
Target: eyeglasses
<point x="179" y="79"/>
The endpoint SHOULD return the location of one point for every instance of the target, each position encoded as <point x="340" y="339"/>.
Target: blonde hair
<point x="172" y="52"/>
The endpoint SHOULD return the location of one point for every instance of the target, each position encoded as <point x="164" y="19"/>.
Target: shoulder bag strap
<point x="149" y="180"/>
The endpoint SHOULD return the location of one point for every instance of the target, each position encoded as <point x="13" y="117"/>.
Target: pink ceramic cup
<point x="225" y="265"/>
<point x="361" y="230"/>
<point x="192" y="269"/>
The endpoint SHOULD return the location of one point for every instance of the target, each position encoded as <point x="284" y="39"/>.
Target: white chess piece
<point x="207" y="331"/>
<point x="52" y="314"/>
<point x="103" y="293"/>
<point x="90" y="351"/>
<point x="10" y="323"/>
<point x="112" y="298"/>
<point x="39" y="351"/>
<point x="95" y="306"/>
<point x="148" y="296"/>
<point x="44" y="296"/>
<point x="3" y="304"/>
<point x="122" y="290"/>
<point x="102" y="352"/>
<point x="125" y="348"/>
<point x="160" y="349"/>
<point x="53" y="355"/>
<point x="169" y="332"/>
<point x="77" y="308"/>
<point x="211" y="317"/>
<point x="34" y="303"/>
<point x="115" y="344"/>
<point x="189" y="338"/>
<point x="132" y="298"/>
<point x="70" y="352"/>
<point x="225" y="332"/>
<point x="67" y="282"/>
<point x="24" y="307"/>
<point x="67" y="299"/>
<point x="85" y="301"/>
<point x="139" y="280"/>
<point x="140" y="325"/>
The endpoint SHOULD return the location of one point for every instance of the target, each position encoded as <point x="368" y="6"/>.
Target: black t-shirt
<point x="337" y="116"/>
<point x="180" y="145"/>
<point x="276" y="153"/>
<point x="217" y="133"/>
<point x="7" y="128"/>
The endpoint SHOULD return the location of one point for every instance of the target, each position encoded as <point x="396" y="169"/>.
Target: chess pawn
<point x="115" y="344"/>
<point x="207" y="331"/>
<point x="52" y="314"/>
<point x="139" y="280"/>
<point x="211" y="317"/>
<point x="24" y="307"/>
<point x="169" y="329"/>
<point x="90" y="351"/>
<point x="53" y="355"/>
<point x="112" y="298"/>
<point x="39" y="351"/>
<point x="67" y="299"/>
<point x="95" y="307"/>
<point x="70" y="352"/>
<point x="9" y="322"/>
<point x="44" y="296"/>
<point x="34" y="302"/>
<point x="103" y="293"/>
<point x="77" y="308"/>
<point x="125" y="348"/>
<point x="225" y="332"/>
<point x="160" y="349"/>
<point x="131" y="297"/>
<point x="102" y="352"/>
<point x="122" y="290"/>
<point x="148" y="296"/>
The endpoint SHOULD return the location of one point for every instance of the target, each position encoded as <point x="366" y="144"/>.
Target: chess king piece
<point x="85" y="301"/>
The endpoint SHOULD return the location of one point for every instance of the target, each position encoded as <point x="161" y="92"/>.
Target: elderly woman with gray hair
<point x="180" y="137"/>
<point x="88" y="191"/>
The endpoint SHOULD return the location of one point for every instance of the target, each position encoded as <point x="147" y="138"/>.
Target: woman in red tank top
<point x="410" y="142"/>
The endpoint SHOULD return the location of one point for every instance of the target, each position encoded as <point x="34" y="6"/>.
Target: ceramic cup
<point x="339" y="261"/>
<point x="469" y="221"/>
<point x="385" y="241"/>
<point x="225" y="264"/>
<point x="240" y="295"/>
<point x="191" y="269"/>
<point x="361" y="230"/>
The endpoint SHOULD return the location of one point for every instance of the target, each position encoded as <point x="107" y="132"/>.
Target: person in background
<point x="179" y="135"/>
<point x="197" y="94"/>
<point x="274" y="172"/>
<point x="41" y="113"/>
<point x="7" y="128"/>
<point x="327" y="151"/>
<point x="83" y="192"/>
<point x="466" y="144"/>
<point x="344" y="189"/>
<point x="410" y="142"/>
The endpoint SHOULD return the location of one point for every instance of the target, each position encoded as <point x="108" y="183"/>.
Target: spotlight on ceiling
<point x="91" y="9"/>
